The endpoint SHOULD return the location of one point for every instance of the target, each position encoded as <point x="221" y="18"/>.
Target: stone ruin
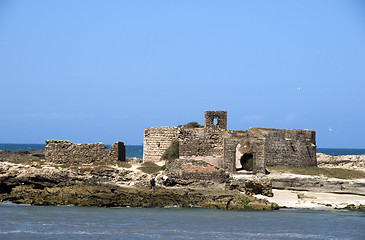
<point x="62" y="151"/>
<point x="233" y="150"/>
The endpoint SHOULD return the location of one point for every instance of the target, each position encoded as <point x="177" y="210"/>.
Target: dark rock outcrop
<point x="318" y="184"/>
<point x="188" y="169"/>
<point x="355" y="162"/>
<point x="252" y="186"/>
<point x="110" y="187"/>
<point x="113" y="196"/>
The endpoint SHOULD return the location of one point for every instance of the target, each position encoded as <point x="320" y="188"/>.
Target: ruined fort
<point x="191" y="165"/>
<point x="233" y="150"/>
<point x="212" y="146"/>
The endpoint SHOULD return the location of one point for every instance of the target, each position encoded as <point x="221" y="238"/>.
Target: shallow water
<point x="69" y="222"/>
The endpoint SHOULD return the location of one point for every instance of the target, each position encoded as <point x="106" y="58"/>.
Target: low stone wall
<point x="62" y="151"/>
<point x="188" y="169"/>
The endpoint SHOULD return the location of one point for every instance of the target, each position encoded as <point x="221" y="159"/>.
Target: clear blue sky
<point x="102" y="71"/>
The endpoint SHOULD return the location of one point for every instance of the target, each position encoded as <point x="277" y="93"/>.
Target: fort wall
<point x="156" y="140"/>
<point x="291" y="147"/>
<point x="269" y="147"/>
<point x="62" y="151"/>
<point x="233" y="150"/>
<point x="232" y="138"/>
<point x="200" y="142"/>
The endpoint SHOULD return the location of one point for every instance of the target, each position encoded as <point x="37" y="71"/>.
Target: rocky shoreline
<point x="26" y="178"/>
<point x="41" y="183"/>
<point x="354" y="162"/>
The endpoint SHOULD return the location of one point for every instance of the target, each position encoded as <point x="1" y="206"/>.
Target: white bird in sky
<point x="331" y="130"/>
<point x="299" y="88"/>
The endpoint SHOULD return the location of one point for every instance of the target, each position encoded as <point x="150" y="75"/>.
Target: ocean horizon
<point x="137" y="150"/>
<point x="131" y="150"/>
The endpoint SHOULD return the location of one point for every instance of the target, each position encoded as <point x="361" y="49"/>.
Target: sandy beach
<point x="313" y="200"/>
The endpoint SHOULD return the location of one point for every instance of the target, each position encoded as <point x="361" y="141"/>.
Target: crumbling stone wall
<point x="62" y="151"/>
<point x="156" y="140"/>
<point x="220" y="147"/>
<point x="117" y="152"/>
<point x="231" y="139"/>
<point x="270" y="147"/>
<point x="289" y="147"/>
<point x="228" y="162"/>
<point x="257" y="142"/>
<point x="249" y="142"/>
<point x="200" y="142"/>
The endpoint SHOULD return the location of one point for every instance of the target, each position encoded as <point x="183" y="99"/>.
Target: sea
<point x="72" y="222"/>
<point x="137" y="150"/>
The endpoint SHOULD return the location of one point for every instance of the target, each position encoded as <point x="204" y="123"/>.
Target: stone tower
<point x="215" y="119"/>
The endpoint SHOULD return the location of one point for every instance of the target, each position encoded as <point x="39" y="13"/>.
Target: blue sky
<point x="102" y="71"/>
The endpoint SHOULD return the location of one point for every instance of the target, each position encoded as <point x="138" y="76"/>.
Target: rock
<point x="107" y="187"/>
<point x="189" y="169"/>
<point x="63" y="151"/>
<point x="134" y="160"/>
<point x="113" y="196"/>
<point x="318" y="184"/>
<point x="252" y="186"/>
<point x="358" y="208"/>
<point x="355" y="162"/>
<point x="259" y="186"/>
